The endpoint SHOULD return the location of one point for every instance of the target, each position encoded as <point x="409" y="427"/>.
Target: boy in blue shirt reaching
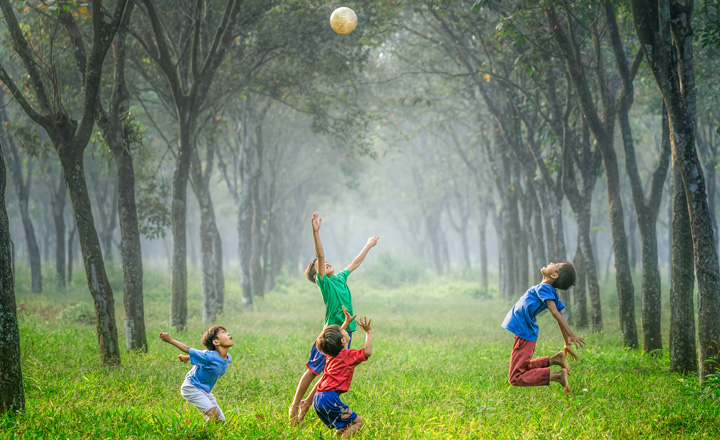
<point x="521" y="320"/>
<point x="208" y="366"/>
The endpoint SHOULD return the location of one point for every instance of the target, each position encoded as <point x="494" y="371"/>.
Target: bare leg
<point x="303" y="385"/>
<point x="561" y="359"/>
<point x="212" y="415"/>
<point x="561" y="377"/>
<point x="352" y="428"/>
<point x="306" y="403"/>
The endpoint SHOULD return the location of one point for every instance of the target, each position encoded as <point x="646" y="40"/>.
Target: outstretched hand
<point x="165" y="336"/>
<point x="348" y="318"/>
<point x="579" y="342"/>
<point x="183" y="358"/>
<point x="570" y="353"/>
<point x="365" y="324"/>
<point x="316" y="221"/>
<point x="372" y="241"/>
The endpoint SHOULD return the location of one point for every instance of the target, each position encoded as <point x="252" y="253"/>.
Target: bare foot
<point x="563" y="379"/>
<point x="304" y="408"/>
<point x="292" y="415"/>
<point x="561" y="359"/>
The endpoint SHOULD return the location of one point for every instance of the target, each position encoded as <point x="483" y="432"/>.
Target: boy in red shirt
<point x="337" y="377"/>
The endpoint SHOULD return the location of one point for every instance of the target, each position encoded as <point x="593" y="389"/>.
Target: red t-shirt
<point x="339" y="370"/>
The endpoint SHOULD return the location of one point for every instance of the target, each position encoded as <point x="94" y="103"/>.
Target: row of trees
<point x="547" y="83"/>
<point x="503" y="110"/>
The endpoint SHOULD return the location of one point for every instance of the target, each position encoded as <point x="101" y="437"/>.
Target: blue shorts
<point x="331" y="410"/>
<point x="316" y="361"/>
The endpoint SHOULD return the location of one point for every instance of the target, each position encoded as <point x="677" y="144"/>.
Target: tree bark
<point x="58" y="211"/>
<point x="683" y="350"/>
<point x="178" y="225"/>
<point x="579" y="291"/>
<point x="12" y="394"/>
<point x="92" y="257"/>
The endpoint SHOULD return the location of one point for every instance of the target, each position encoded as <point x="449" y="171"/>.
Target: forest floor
<point x="438" y="370"/>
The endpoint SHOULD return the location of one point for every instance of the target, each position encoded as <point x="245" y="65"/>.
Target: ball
<point x="343" y="20"/>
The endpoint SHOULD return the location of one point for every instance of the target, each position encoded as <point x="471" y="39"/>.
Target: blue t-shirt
<point x="521" y="318"/>
<point x="209" y="366"/>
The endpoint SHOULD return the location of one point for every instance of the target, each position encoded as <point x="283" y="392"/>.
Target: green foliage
<point x="80" y="313"/>
<point x="708" y="14"/>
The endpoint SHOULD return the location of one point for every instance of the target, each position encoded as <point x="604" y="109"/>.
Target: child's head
<point x="216" y="336"/>
<point x="561" y="274"/>
<point x="312" y="269"/>
<point x="332" y="340"/>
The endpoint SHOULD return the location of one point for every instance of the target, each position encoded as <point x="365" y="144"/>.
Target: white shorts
<point x="202" y="400"/>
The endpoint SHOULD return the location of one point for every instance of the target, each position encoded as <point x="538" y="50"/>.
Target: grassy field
<point x="438" y="371"/>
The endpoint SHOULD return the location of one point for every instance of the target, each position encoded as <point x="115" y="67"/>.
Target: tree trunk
<point x="92" y="255"/>
<point x="131" y="250"/>
<point x="71" y="253"/>
<point x="683" y="353"/>
<point x="33" y="248"/>
<point x="12" y="395"/>
<point x="219" y="270"/>
<point x="579" y="291"/>
<point x="58" y="211"/>
<point x="178" y="225"/>
<point x="22" y="189"/>
<point x="482" y="228"/>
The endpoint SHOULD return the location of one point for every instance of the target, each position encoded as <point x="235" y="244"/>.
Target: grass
<point x="439" y="371"/>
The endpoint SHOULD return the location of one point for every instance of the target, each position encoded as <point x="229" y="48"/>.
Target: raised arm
<point x="348" y="318"/>
<point x="372" y="241"/>
<point x="319" y="253"/>
<point x="568" y="335"/>
<point x="365" y="325"/>
<point x="166" y="337"/>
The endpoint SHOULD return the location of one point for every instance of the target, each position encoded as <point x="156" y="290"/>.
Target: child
<point x="341" y="363"/>
<point x="520" y="320"/>
<point x="336" y="295"/>
<point x="209" y="365"/>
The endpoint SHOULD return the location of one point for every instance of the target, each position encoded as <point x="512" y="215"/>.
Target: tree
<point x="189" y="76"/>
<point x="12" y="396"/>
<point x="602" y="127"/>
<point x="70" y="139"/>
<point x="22" y="180"/>
<point x="666" y="36"/>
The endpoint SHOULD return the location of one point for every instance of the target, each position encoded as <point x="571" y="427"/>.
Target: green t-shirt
<point x="336" y="294"/>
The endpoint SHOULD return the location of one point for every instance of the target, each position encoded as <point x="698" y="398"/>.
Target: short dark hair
<point x="566" y="276"/>
<point x="210" y="335"/>
<point x="330" y="341"/>
<point x="311" y="271"/>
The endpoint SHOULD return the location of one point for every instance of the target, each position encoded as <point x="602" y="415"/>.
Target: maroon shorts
<point x="524" y="371"/>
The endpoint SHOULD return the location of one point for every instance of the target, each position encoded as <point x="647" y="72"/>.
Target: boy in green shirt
<point x="336" y="295"/>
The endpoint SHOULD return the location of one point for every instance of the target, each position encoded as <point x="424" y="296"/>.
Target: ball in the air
<point x="343" y="20"/>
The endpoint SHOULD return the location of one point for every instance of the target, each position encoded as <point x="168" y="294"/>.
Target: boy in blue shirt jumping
<point x="521" y="320"/>
<point x="208" y="366"/>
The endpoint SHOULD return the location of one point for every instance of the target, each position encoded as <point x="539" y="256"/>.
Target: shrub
<point x="80" y="313"/>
